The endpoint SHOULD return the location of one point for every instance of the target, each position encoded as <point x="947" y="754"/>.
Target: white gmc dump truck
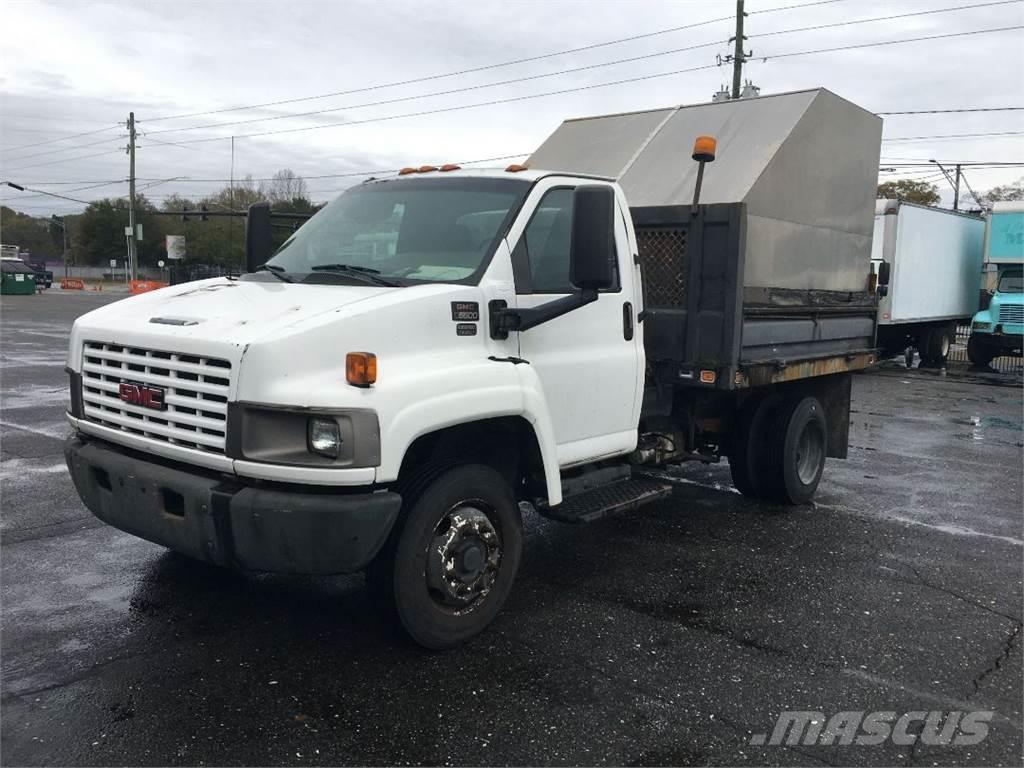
<point x="432" y="349"/>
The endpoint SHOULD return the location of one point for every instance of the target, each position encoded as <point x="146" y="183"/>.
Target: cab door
<point x="588" y="360"/>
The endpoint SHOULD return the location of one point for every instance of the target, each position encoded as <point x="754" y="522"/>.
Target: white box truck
<point x="934" y="257"/>
<point x="432" y="349"/>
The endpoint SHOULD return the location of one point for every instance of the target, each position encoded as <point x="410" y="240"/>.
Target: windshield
<point x="404" y="231"/>
<point x="1011" y="282"/>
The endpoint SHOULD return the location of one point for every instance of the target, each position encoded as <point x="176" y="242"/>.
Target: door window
<point x="541" y="259"/>
<point x="546" y="242"/>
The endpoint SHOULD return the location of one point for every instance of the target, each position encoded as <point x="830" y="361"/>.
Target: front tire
<point x="978" y="353"/>
<point x="456" y="557"/>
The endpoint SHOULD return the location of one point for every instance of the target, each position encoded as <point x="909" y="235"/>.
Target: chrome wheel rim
<point x="463" y="557"/>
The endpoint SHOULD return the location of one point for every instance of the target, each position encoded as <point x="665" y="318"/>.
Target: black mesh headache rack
<point x="767" y="279"/>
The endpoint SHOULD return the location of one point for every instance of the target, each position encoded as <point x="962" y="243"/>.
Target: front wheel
<point x="456" y="557"/>
<point x="978" y="352"/>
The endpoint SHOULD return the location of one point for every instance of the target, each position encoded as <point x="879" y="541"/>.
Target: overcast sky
<point x="73" y="67"/>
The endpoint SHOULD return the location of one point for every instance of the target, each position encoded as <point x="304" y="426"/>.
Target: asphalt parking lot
<point x="668" y="636"/>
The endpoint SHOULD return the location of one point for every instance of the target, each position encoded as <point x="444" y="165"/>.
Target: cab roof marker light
<point x="427" y="168"/>
<point x="406" y="171"/>
<point x="515" y="168"/>
<point x="451" y="167"/>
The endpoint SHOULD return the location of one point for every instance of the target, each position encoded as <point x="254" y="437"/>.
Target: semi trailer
<point x="934" y="257"/>
<point x="433" y="349"/>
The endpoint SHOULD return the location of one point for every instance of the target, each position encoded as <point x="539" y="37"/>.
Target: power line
<point x="448" y="92"/>
<point x="952" y="111"/>
<point x="64" y="160"/>
<point x="79" y="189"/>
<point x="66" y="149"/>
<point x="571" y="70"/>
<point x="946" y="137"/>
<point x="72" y="183"/>
<point x="592" y="86"/>
<point x="484" y="67"/>
<point x="63" y="138"/>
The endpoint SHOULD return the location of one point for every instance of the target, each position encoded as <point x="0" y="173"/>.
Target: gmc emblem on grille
<point x="142" y="395"/>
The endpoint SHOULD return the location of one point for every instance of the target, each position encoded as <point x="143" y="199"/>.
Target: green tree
<point x="912" y="191"/>
<point x="100" y="232"/>
<point x="30" y="233"/>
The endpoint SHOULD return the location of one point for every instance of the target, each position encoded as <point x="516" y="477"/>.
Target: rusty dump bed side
<point x="699" y="317"/>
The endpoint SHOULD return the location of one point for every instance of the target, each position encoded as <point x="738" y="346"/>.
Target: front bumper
<point x="225" y="522"/>
<point x="1006" y="343"/>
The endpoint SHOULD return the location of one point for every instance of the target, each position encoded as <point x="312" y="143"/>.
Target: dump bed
<point x="767" y="280"/>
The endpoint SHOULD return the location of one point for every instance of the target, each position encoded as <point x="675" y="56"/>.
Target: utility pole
<point x="956" y="190"/>
<point x="738" y="57"/>
<point x="132" y="243"/>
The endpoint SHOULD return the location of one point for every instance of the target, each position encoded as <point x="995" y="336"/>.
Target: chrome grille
<point x="1011" y="313"/>
<point x="195" y="393"/>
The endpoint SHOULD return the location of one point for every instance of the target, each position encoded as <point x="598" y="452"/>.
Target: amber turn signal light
<point x="704" y="149"/>
<point x="708" y="377"/>
<point x="361" y="368"/>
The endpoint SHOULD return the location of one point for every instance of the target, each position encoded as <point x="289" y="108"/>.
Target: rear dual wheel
<point x="780" y="449"/>
<point x="934" y="344"/>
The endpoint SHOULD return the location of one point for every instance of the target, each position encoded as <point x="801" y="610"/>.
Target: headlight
<point x="324" y="437"/>
<point x="981" y="326"/>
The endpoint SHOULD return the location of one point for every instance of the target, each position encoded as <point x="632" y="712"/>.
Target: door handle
<point x="627" y="321"/>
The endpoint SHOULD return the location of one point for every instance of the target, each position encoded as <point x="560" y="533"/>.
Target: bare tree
<point x="284" y="187"/>
<point x="1014" y="191"/>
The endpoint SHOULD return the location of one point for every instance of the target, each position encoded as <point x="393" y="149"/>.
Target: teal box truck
<point x="999" y="329"/>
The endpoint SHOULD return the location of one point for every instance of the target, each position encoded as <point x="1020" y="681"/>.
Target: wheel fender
<point x="536" y="411"/>
<point x="510" y="396"/>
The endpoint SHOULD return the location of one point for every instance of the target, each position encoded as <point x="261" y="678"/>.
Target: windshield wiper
<point x="364" y="273"/>
<point x="279" y="272"/>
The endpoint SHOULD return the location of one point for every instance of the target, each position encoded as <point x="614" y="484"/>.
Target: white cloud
<point x="73" y="66"/>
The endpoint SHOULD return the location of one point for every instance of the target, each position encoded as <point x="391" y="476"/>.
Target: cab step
<point x="590" y="505"/>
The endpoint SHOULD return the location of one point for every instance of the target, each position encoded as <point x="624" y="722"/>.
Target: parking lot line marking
<point x="21" y="467"/>
<point x="57" y="433"/>
<point x="933" y="698"/>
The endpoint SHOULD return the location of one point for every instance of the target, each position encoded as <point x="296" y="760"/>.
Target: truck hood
<point x="220" y="310"/>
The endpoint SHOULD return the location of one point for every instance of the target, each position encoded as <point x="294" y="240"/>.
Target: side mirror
<point x="592" y="249"/>
<point x="884" y="269"/>
<point x="258" y="242"/>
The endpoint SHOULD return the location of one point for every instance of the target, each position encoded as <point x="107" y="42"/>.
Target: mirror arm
<point x="524" y="319"/>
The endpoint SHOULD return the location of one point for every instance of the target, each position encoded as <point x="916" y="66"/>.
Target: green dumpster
<point x="17" y="277"/>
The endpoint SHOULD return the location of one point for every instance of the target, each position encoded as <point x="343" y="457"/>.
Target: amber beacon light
<point x="361" y="368"/>
<point x="703" y="152"/>
<point x="704" y="149"/>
